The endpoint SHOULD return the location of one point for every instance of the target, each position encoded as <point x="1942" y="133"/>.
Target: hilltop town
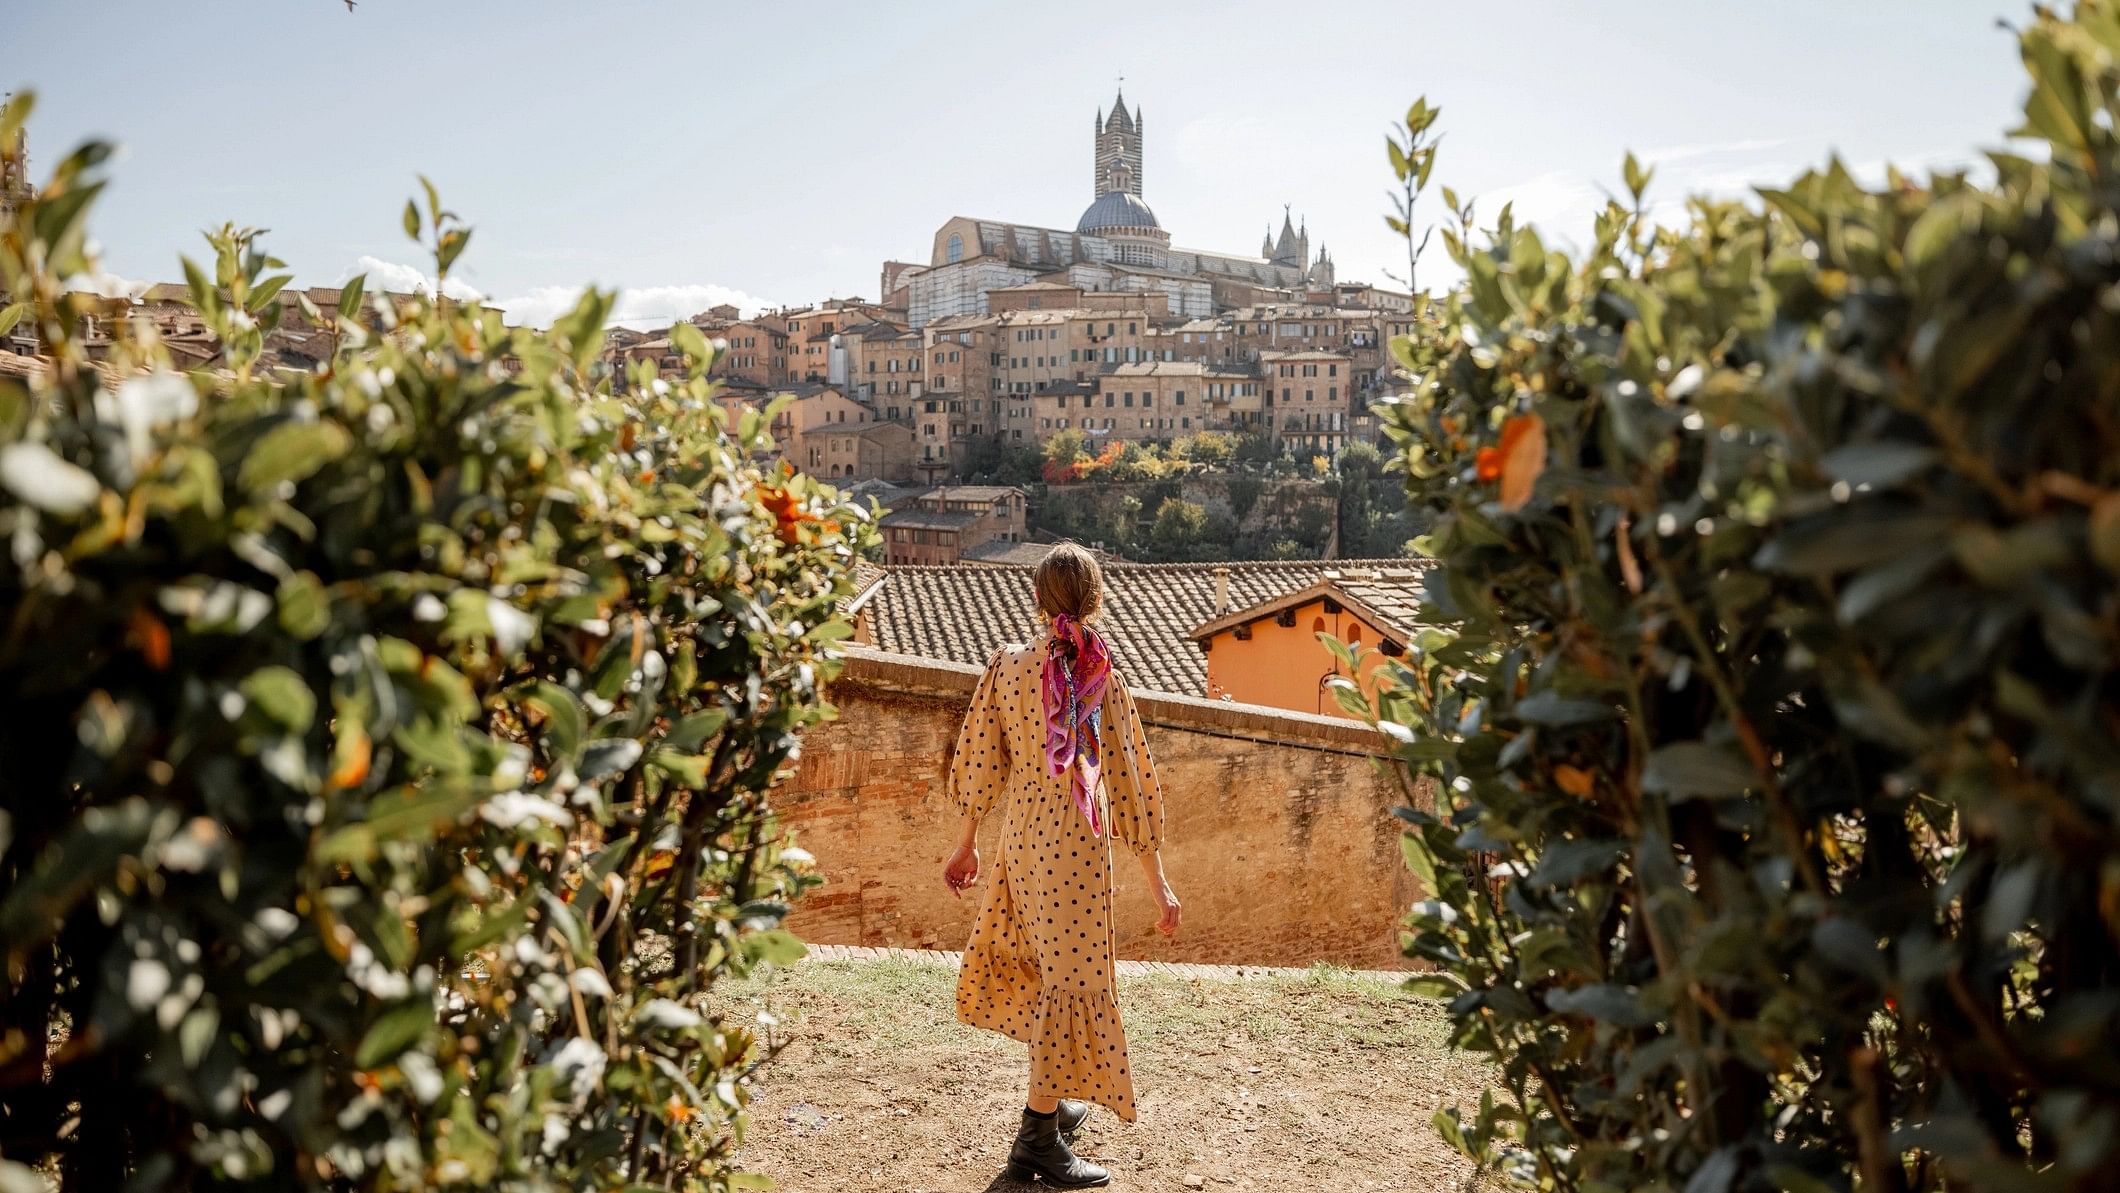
<point x="1014" y="353"/>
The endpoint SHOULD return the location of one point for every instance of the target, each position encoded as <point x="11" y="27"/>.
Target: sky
<point x="692" y="152"/>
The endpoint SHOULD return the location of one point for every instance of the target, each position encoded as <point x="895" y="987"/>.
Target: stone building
<point x="1155" y="400"/>
<point x="881" y="451"/>
<point x="1309" y="399"/>
<point x="941" y="525"/>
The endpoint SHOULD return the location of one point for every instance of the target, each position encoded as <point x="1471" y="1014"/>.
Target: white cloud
<point x="400" y="278"/>
<point x="1678" y="153"/>
<point x="642" y="308"/>
<point x="109" y="285"/>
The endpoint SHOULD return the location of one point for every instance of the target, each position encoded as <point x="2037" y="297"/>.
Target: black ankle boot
<point x="1072" y="1115"/>
<point x="1040" y="1152"/>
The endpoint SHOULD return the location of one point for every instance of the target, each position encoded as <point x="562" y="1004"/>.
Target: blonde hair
<point x="1069" y="581"/>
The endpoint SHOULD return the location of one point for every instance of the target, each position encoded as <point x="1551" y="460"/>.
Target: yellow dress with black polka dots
<point x="1039" y="965"/>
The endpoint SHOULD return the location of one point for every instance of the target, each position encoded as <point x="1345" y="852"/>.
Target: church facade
<point x="1117" y="246"/>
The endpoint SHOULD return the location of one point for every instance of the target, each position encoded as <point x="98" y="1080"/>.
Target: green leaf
<point x="305" y="608"/>
<point x="410" y="814"/>
<point x="262" y="295"/>
<point x="281" y="696"/>
<point x="1602" y="1001"/>
<point x="1419" y="859"/>
<point x="690" y="770"/>
<point x="452" y="246"/>
<point x="1551" y="708"/>
<point x="777" y="947"/>
<point x="1879" y="463"/>
<point x="350" y="296"/>
<point x="291" y="453"/>
<point x="395" y="1030"/>
<point x="1434" y="985"/>
<point x="1636" y="177"/>
<point x="564" y="720"/>
<point x="412" y="219"/>
<point x="1696" y="770"/>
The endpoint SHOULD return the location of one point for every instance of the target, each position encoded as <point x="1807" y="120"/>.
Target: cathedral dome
<point x="1116" y="210"/>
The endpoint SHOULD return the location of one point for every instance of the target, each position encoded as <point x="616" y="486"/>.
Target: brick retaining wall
<point x="1279" y="838"/>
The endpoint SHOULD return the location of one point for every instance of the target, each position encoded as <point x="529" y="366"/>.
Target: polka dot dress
<point x="1039" y="965"/>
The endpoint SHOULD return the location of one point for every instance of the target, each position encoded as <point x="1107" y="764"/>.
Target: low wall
<point x="1278" y="833"/>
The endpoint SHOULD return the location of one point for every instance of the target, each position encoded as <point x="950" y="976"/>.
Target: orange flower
<point x="1488" y="464"/>
<point x="1523" y="458"/>
<point x="676" y="1111"/>
<point x="787" y="510"/>
<point x="147" y="632"/>
<point x="1574" y="780"/>
<point x="354" y="753"/>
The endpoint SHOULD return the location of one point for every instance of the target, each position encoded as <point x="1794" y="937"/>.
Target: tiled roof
<point x="1388" y="597"/>
<point x="963" y="613"/>
<point x="1178" y="368"/>
<point x="1393" y="592"/>
<point x="1004" y="553"/>
<point x="971" y="493"/>
<point x="920" y="519"/>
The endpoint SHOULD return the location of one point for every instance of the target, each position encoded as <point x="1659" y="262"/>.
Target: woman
<point x="1052" y="736"/>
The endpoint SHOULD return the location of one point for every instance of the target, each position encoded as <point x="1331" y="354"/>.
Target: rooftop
<point x="964" y="613"/>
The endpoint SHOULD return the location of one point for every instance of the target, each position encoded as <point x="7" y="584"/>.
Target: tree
<point x="994" y="460"/>
<point x="1067" y="447"/>
<point x="1769" y="674"/>
<point x="387" y="747"/>
<point x="1179" y="526"/>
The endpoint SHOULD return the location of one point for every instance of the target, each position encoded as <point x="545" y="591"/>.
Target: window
<point x="1129" y="399"/>
<point x="956" y="248"/>
<point x="1110" y="400"/>
<point x="1179" y="396"/>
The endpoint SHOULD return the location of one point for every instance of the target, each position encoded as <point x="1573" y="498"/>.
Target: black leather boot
<point x="1072" y="1115"/>
<point x="1040" y="1152"/>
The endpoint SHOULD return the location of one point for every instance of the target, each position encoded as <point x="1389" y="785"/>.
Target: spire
<point x="1266" y="243"/>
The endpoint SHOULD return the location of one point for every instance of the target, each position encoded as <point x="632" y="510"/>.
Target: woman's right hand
<point x="1167" y="901"/>
<point x="962" y="870"/>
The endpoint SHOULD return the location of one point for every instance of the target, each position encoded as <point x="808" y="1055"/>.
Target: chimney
<point x="1221" y="591"/>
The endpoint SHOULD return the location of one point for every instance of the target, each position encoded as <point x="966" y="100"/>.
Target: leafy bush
<point x="386" y="746"/>
<point x="1770" y="675"/>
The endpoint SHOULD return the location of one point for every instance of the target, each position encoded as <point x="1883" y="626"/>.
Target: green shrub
<point x="386" y="746"/>
<point x="1769" y="675"/>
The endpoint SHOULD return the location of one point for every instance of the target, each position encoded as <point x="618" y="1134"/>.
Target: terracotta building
<point x="1270" y="653"/>
<point x="938" y="526"/>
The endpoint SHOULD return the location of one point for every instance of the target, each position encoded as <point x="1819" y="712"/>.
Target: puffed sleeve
<point x="979" y="765"/>
<point x="1130" y="773"/>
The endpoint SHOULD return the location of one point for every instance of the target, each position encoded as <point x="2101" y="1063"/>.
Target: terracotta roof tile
<point x="963" y="613"/>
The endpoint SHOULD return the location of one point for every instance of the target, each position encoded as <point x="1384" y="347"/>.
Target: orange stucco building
<point x="1270" y="653"/>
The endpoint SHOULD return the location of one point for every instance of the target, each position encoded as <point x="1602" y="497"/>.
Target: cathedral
<point x="1117" y="245"/>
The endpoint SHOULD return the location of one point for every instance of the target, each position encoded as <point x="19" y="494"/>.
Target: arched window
<point x="956" y="248"/>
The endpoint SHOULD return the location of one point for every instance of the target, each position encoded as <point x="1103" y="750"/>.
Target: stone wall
<point x="1279" y="838"/>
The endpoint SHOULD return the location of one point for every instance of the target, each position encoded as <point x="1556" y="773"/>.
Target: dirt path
<point x="1318" y="1082"/>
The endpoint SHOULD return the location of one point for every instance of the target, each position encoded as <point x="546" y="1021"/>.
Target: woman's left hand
<point x="962" y="870"/>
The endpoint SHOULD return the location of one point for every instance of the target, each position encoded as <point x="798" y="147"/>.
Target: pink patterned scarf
<point x="1077" y="665"/>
